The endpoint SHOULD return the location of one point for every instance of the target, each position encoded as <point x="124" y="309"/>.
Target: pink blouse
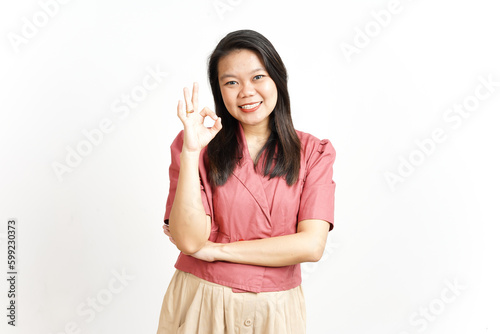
<point x="251" y="206"/>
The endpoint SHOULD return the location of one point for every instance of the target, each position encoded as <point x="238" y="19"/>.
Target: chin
<point x="253" y="120"/>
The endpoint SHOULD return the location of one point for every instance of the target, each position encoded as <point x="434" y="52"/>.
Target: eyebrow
<point x="227" y="75"/>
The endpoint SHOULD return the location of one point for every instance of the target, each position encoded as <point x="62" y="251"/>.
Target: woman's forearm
<point x="189" y="224"/>
<point x="304" y="246"/>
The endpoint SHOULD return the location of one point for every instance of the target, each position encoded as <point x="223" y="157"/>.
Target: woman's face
<point x="248" y="91"/>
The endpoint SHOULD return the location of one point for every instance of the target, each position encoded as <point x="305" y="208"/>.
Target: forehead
<point x="239" y="62"/>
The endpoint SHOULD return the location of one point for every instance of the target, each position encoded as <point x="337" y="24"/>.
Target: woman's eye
<point x="259" y="76"/>
<point x="230" y="83"/>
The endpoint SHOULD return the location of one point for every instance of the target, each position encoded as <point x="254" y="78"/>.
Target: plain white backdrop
<point x="408" y="92"/>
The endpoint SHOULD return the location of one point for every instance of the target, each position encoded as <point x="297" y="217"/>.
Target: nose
<point x="247" y="89"/>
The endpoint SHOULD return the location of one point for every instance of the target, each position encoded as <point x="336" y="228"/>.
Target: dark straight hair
<point x="282" y="149"/>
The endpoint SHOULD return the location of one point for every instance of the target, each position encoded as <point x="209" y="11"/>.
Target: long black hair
<point x="283" y="145"/>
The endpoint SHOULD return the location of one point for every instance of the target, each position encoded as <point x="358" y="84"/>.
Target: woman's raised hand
<point x="196" y="134"/>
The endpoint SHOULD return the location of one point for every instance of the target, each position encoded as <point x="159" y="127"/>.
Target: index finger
<point x="195" y="96"/>
<point x="189" y="104"/>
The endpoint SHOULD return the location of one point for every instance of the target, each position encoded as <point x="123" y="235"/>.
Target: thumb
<point x="216" y="127"/>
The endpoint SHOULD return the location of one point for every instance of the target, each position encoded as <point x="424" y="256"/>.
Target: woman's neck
<point x="256" y="133"/>
<point x="255" y="137"/>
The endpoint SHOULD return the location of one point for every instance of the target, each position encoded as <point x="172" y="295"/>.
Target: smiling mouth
<point x="250" y="106"/>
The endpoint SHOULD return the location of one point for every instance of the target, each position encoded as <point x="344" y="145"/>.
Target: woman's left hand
<point x="207" y="252"/>
<point x="166" y="230"/>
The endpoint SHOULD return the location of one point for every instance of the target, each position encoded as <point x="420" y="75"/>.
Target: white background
<point x="393" y="249"/>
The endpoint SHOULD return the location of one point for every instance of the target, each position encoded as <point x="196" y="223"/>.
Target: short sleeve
<point x="173" y="171"/>
<point x="318" y="194"/>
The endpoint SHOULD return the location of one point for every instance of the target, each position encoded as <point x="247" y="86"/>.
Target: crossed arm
<point x="307" y="245"/>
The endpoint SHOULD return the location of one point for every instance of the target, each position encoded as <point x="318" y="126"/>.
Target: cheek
<point x="229" y="102"/>
<point x="227" y="97"/>
<point x="271" y="92"/>
<point x="270" y="89"/>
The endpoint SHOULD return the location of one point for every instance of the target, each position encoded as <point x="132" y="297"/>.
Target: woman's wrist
<point x="219" y="252"/>
<point x="188" y="153"/>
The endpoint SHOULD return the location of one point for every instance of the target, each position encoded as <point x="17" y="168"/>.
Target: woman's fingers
<point x="180" y="110"/>
<point x="216" y="127"/>
<point x="189" y="103"/>
<point x="208" y="112"/>
<point x="194" y="100"/>
<point x="196" y="134"/>
<point x="166" y="230"/>
<point x="218" y="121"/>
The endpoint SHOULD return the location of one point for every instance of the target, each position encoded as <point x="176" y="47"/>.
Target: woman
<point x="250" y="199"/>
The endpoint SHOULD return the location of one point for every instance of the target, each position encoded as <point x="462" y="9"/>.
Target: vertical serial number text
<point x="11" y="271"/>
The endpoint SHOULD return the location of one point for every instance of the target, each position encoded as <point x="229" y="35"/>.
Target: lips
<point x="249" y="107"/>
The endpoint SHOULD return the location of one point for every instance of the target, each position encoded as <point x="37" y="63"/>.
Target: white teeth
<point x="250" y="106"/>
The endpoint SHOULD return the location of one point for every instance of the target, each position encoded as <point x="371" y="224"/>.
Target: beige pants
<point x="195" y="306"/>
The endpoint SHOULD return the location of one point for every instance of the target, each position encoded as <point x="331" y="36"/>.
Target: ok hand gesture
<point x="196" y="134"/>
